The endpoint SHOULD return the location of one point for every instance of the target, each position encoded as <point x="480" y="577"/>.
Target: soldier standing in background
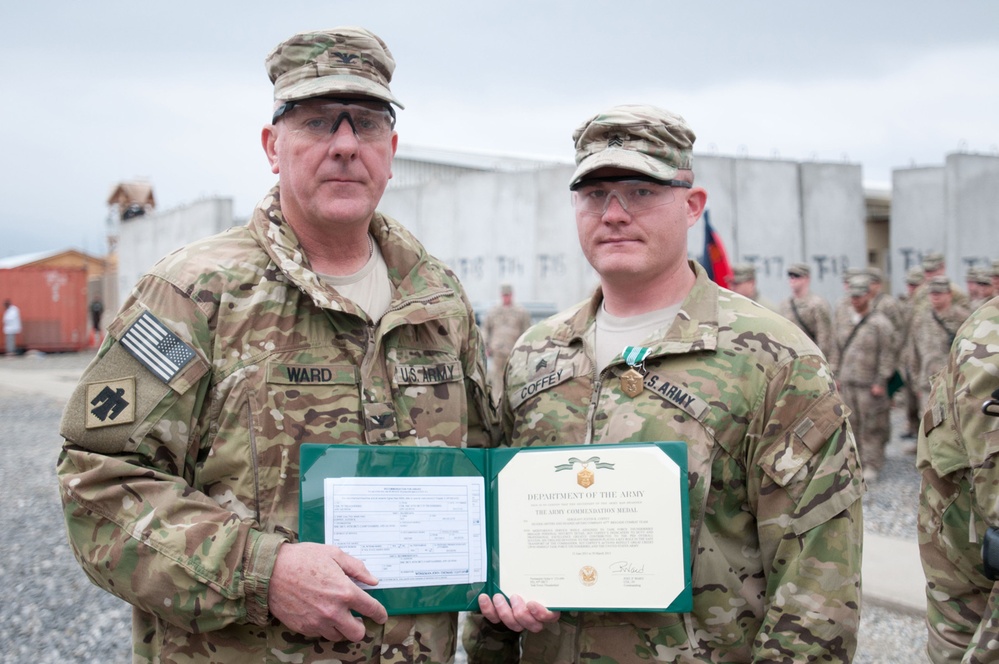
<point x="959" y="460"/>
<point x="933" y="328"/>
<point x="910" y="395"/>
<point x="882" y="301"/>
<point x="503" y="326"/>
<point x="743" y="282"/>
<point x="807" y="310"/>
<point x="934" y="266"/>
<point x="980" y="288"/>
<point x="329" y="324"/>
<point x="863" y="362"/>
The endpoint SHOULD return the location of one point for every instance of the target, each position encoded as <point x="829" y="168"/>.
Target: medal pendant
<point x="631" y="383"/>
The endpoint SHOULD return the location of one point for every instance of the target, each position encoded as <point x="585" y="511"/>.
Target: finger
<point x="487" y="609"/>
<point x="353" y="567"/>
<point x="523" y="615"/>
<point x="349" y="627"/>
<point x="368" y="606"/>
<point x="333" y="634"/>
<point x="542" y="613"/>
<point x="505" y="613"/>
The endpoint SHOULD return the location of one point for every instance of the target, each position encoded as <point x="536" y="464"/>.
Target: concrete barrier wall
<point x="953" y="209"/>
<point x="144" y="240"/>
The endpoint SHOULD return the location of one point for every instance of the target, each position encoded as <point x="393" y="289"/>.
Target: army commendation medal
<point x="632" y="380"/>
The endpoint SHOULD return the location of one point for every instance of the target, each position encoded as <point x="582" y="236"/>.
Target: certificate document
<point x="595" y="527"/>
<point x="590" y="528"/>
<point x="410" y="531"/>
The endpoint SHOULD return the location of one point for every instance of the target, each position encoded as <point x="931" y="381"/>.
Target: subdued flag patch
<point x="156" y="347"/>
<point x="110" y="402"/>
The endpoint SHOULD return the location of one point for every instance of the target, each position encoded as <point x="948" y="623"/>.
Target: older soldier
<point x="503" y="325"/>
<point x="807" y="310"/>
<point x="933" y="330"/>
<point x="959" y="460"/>
<point x="863" y="362"/>
<point x="180" y="473"/>
<point x="743" y="282"/>
<point x="775" y="484"/>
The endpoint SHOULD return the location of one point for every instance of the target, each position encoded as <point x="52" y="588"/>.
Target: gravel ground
<point x="50" y="612"/>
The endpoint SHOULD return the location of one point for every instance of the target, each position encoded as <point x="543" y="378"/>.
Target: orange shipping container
<point x="53" y="304"/>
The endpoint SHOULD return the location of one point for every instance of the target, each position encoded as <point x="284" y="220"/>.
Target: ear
<point x="268" y="139"/>
<point x="395" y="146"/>
<point x="697" y="198"/>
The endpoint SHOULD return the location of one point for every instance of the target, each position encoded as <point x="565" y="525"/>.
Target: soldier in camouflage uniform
<point x="503" y="325"/>
<point x="933" y="328"/>
<point x="910" y="395"/>
<point x="807" y="310"/>
<point x="180" y="470"/>
<point x="959" y="459"/>
<point x="775" y="484"/>
<point x="979" y="287"/>
<point x="863" y="362"/>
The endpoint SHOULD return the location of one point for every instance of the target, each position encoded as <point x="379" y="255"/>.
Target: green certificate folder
<point x="596" y="527"/>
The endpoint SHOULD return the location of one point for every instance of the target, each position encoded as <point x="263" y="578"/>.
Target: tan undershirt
<point x="613" y="333"/>
<point x="369" y="288"/>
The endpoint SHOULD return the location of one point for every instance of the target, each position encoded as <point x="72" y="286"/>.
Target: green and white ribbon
<point x="635" y="355"/>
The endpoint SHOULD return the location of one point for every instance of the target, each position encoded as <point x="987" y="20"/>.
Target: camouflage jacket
<point x="503" y="326"/>
<point x="179" y="502"/>
<point x="958" y="455"/>
<point x="930" y="338"/>
<point x="870" y="356"/>
<point x="811" y="314"/>
<point x="775" y="486"/>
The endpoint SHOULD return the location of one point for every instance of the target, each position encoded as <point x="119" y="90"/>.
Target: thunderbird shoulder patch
<point x="156" y="347"/>
<point x="110" y="402"/>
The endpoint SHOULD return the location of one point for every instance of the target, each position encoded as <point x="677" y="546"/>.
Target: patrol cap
<point x="939" y="284"/>
<point x="741" y="273"/>
<point x="915" y="276"/>
<point x="799" y="270"/>
<point x="875" y="274"/>
<point x="340" y="61"/>
<point x="645" y="139"/>
<point x="851" y="272"/>
<point x="933" y="261"/>
<point x="982" y="276"/>
<point x="859" y="285"/>
<point x="506" y="289"/>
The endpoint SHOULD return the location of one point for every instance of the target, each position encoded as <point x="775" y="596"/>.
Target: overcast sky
<point x="175" y="92"/>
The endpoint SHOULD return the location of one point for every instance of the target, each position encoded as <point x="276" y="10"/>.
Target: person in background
<point x="863" y="362"/>
<point x="910" y="395"/>
<point x="958" y="458"/>
<point x="743" y="282"/>
<point x="775" y="483"/>
<point x="327" y="323"/>
<point x="11" y="326"/>
<point x="504" y="323"/>
<point x="980" y="288"/>
<point x="807" y="310"/>
<point x="933" y="328"/>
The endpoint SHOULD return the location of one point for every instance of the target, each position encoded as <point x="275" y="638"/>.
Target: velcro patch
<point x="307" y="374"/>
<point x="109" y="403"/>
<point x="427" y="374"/>
<point x="156" y="347"/>
<point x="677" y="394"/>
<point x="540" y="384"/>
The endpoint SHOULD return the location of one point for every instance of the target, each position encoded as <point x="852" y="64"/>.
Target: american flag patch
<point x="156" y="347"/>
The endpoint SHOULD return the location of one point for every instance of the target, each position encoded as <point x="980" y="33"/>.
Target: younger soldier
<point x="807" y="310"/>
<point x="743" y="282"/>
<point x="933" y="328"/>
<point x="775" y="485"/>
<point x="959" y="460"/>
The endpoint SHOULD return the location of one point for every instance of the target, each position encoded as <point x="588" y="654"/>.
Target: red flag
<point x="714" y="260"/>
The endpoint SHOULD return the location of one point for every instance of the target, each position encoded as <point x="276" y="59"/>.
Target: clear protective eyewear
<point x="635" y="193"/>
<point x="320" y="118"/>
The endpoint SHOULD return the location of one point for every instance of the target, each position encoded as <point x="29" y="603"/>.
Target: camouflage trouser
<point x="870" y="422"/>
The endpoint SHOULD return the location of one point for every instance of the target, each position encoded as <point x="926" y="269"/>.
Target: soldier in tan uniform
<point x="320" y="321"/>
<point x="910" y="395"/>
<point x="503" y="326"/>
<point x="775" y="484"/>
<point x="807" y="310"/>
<point x="863" y="363"/>
<point x="933" y="328"/>
<point x="959" y="460"/>
<point x="980" y="288"/>
<point x="743" y="282"/>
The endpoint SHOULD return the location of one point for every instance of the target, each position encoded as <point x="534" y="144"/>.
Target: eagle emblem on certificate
<point x="587" y="575"/>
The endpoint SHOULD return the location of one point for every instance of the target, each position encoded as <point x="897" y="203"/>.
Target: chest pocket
<point x="430" y="399"/>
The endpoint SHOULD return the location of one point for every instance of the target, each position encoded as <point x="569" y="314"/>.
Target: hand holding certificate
<point x="595" y="527"/>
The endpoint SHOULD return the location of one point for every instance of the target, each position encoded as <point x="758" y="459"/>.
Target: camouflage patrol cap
<point x="875" y="274"/>
<point x="933" y="261"/>
<point x="741" y="273"/>
<point x="859" y="285"/>
<point x="345" y="60"/>
<point x="938" y="284"/>
<point x="915" y="276"/>
<point x="851" y="272"/>
<point x="506" y="289"/>
<point x="982" y="276"/>
<point x="799" y="270"/>
<point x="645" y="139"/>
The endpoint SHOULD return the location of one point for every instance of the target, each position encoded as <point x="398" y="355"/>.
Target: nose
<point x="615" y="210"/>
<point x="343" y="141"/>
